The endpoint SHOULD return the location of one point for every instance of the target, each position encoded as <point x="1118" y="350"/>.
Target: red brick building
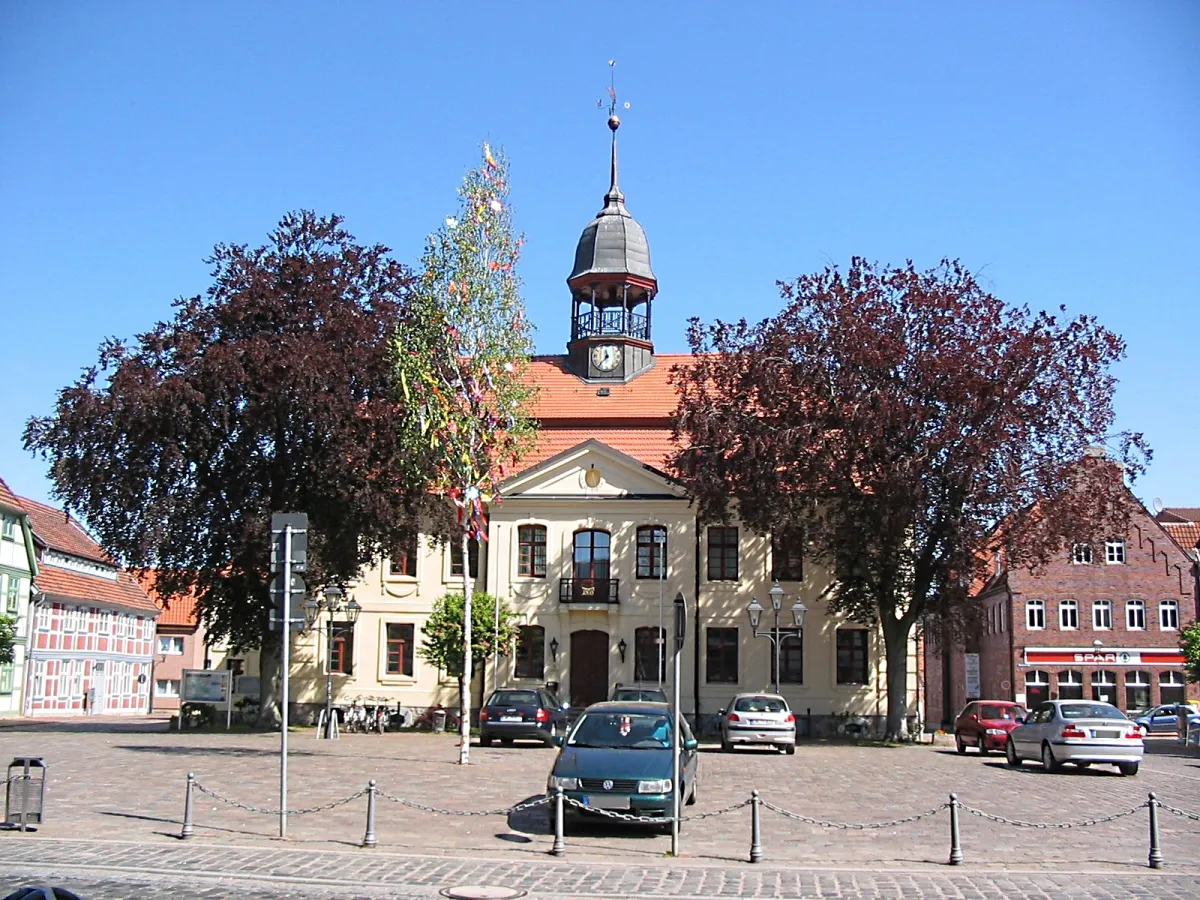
<point x="93" y="626"/>
<point x="179" y="644"/>
<point x="1101" y="622"/>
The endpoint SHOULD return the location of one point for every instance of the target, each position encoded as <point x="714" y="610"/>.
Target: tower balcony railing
<point x="611" y="321"/>
<point x="589" y="590"/>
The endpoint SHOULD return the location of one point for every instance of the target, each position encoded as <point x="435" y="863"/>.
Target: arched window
<point x="1070" y="685"/>
<point x="649" y="655"/>
<point x="1102" y="615"/>
<point x="1068" y="616"/>
<point x="1137" y="690"/>
<point x="1171" y="687"/>
<point x="1104" y="687"/>
<point x="1037" y="688"/>
<point x="531" y="652"/>
<point x="531" y="551"/>
<point x="1135" y="615"/>
<point x="651" y="551"/>
<point x="1035" y="615"/>
<point x="1168" y="615"/>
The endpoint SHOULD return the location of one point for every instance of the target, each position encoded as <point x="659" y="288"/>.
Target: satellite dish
<point x="1158" y="506"/>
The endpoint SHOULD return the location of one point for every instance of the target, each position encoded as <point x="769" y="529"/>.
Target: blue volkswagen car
<point x="617" y="757"/>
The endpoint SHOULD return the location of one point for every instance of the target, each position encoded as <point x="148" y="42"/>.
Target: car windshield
<point x="627" y="730"/>
<point x="633" y="695"/>
<point x="514" y="698"/>
<point x="760" y="705"/>
<point x="1090" y="711"/>
<point x="1001" y="712"/>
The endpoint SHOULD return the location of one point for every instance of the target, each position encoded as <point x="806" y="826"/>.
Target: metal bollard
<point x="1156" y="857"/>
<point x="369" y="837"/>
<point x="560" y="844"/>
<point x="188" y="828"/>
<point x="756" y="851"/>
<point x="956" y="854"/>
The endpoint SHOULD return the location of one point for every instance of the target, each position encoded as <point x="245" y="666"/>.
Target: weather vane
<point x="613" y="120"/>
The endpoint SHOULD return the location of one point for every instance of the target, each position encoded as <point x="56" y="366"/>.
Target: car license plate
<point x="606" y="802"/>
<point x="510" y="718"/>
<point x="1106" y="734"/>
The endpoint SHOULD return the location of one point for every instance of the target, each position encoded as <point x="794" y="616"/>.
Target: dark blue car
<point x="1165" y="719"/>
<point x="618" y="757"/>
<point x="521" y="714"/>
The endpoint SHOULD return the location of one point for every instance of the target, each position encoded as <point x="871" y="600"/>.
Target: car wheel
<point x="1083" y="765"/>
<point x="1010" y="753"/>
<point x="790" y="750"/>
<point x="726" y="747"/>
<point x="983" y="750"/>
<point x="1130" y="768"/>
<point x="1049" y="763"/>
<point x="507" y="742"/>
<point x="485" y="740"/>
<point x="958" y="744"/>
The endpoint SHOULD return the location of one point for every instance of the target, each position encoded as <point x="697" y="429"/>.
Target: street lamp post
<point x="755" y="611"/>
<point x="333" y="601"/>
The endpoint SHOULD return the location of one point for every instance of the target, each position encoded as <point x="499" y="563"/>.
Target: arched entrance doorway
<point x="589" y="667"/>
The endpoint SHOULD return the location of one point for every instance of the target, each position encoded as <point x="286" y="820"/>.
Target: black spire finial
<point x="614" y="197"/>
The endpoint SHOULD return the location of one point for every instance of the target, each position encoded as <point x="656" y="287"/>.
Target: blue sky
<point x="1054" y="147"/>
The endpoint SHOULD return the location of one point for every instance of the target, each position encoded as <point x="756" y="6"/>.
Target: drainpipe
<point x="696" y="635"/>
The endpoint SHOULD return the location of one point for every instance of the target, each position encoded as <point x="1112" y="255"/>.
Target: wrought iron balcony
<point x="588" y="590"/>
<point x="616" y="321"/>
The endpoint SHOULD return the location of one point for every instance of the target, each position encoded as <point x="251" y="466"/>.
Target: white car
<point x="1080" y="732"/>
<point x="762" y="719"/>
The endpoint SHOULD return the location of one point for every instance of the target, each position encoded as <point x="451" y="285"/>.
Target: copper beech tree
<point x="910" y="423"/>
<point x="275" y="392"/>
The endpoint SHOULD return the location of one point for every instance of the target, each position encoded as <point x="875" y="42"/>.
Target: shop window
<point x="1070" y="685"/>
<point x="1104" y="687"/>
<point x="1172" y="688"/>
<point x="1137" y="691"/>
<point x="1037" y="688"/>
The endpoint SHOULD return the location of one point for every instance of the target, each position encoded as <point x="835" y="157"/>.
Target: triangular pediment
<point x="592" y="469"/>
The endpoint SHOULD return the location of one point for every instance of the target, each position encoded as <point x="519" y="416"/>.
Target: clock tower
<point x="612" y="289"/>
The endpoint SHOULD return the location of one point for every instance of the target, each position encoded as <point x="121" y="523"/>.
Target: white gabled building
<point x="18" y="566"/>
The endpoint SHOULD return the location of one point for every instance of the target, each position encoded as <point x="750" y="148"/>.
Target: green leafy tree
<point x="275" y="392"/>
<point x="8" y="639"/>
<point x="461" y="360"/>
<point x="1189" y="642"/>
<point x="443" y="643"/>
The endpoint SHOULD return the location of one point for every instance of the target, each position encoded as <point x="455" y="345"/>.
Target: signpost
<point x="676" y="728"/>
<point x="289" y="556"/>
<point x="971" y="665"/>
<point x="207" y="686"/>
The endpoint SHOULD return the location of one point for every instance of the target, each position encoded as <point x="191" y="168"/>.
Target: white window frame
<point x="1037" y="607"/>
<point x="12" y="593"/>
<point x="1072" y="607"/>
<point x="1114" y="553"/>
<point x="1081" y="554"/>
<point x="1168" y="615"/>
<point x="171" y="689"/>
<point x="1135" y="610"/>
<point x="171" y="641"/>
<point x="1104" y="606"/>
<point x="8" y="527"/>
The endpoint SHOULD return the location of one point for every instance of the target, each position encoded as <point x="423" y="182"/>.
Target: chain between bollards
<point x="956" y="854"/>
<point x="1156" y="857"/>
<point x="369" y="837"/>
<point x="560" y="844"/>
<point x="188" y="828"/>
<point x="756" y="851"/>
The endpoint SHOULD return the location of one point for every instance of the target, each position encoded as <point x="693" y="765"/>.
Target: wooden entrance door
<point x="589" y="667"/>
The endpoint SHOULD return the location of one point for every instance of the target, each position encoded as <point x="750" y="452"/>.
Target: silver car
<point x="758" y="719"/>
<point x="1080" y="732"/>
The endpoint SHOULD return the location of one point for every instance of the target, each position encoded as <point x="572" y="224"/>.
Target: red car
<point x="985" y="724"/>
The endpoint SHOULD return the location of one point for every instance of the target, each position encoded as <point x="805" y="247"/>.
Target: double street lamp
<point x="755" y="611"/>
<point x="333" y="602"/>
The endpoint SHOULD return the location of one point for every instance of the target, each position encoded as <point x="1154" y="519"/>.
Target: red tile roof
<point x="61" y="532"/>
<point x="649" y="445"/>
<point x="178" y="611"/>
<point x="1179" y="514"/>
<point x="124" y="592"/>
<point x="9" y="499"/>
<point x="1186" y="535"/>
<point x="562" y="395"/>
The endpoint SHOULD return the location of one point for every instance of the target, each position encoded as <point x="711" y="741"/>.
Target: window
<point x="1168" y="615"/>
<point x="236" y="666"/>
<point x="166" y="687"/>
<point x="591" y="555"/>
<point x="1104" y="687"/>
<point x="403" y="561"/>
<point x="787" y="555"/>
<point x="852" y="657"/>
<point x="1171" y="687"/>
<point x="722" y="554"/>
<point x="8" y="527"/>
<point x="6" y="678"/>
<point x="1070" y="685"/>
<point x="531" y="652"/>
<point x="456" y="566"/>
<point x="1037" y="688"/>
<point x="650" y="654"/>
<point x="651" y="551"/>
<point x="170" y="645"/>
<point x="1068" y="617"/>
<point x="400" y="649"/>
<point x="1114" y="552"/>
<point x="1081" y="554"/>
<point x="12" y="593"/>
<point x="531" y="544"/>
<point x="341" y="656"/>
<point x="1135" y="615"/>
<point x="791" y="658"/>
<point x="1137" y="690"/>
<point x="1102" y="614"/>
<point x="1035" y="615"/>
<point x="722" y="655"/>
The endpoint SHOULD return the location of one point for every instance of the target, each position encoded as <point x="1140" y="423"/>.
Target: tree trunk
<point x="464" y="682"/>
<point x="269" y="672"/>
<point x="895" y="649"/>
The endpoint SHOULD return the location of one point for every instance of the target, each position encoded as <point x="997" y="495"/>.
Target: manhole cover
<point x="481" y="892"/>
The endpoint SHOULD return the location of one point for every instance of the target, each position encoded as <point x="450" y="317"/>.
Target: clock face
<point x="606" y="357"/>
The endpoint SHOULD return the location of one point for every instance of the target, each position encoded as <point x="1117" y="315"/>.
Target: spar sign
<point x="1062" y="656"/>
